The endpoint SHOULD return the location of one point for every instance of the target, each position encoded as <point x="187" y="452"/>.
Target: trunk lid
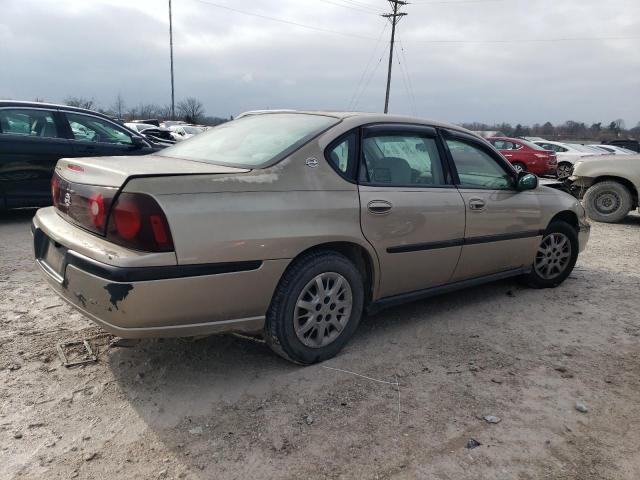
<point x="114" y="171"/>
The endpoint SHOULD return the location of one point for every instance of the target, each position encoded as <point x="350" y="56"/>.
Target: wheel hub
<point x="607" y="202"/>
<point x="323" y="309"/>
<point x="553" y="256"/>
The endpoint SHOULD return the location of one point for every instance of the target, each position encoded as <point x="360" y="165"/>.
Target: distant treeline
<point x="190" y="110"/>
<point x="569" y="130"/>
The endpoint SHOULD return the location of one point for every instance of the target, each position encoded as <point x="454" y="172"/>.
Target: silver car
<point x="293" y="224"/>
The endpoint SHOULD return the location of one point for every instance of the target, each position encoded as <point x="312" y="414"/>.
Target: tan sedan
<point x="292" y="224"/>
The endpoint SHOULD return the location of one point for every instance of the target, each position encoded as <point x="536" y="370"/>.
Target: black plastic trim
<point x="139" y="274"/>
<point x="457" y="242"/>
<point x="440" y="289"/>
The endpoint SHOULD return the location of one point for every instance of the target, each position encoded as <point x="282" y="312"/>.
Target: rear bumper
<point x="160" y="301"/>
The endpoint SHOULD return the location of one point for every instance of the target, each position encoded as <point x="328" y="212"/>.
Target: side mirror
<point x="527" y="181"/>
<point x="138" y="142"/>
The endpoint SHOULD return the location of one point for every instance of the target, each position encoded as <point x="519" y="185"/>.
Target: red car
<point x="526" y="156"/>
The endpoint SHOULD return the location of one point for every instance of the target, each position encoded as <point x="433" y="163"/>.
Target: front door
<point x="411" y="212"/>
<point x="503" y="224"/>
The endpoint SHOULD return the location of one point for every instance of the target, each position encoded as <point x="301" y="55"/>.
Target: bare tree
<point x="118" y="106"/>
<point x="191" y="109"/>
<point x="81" y="102"/>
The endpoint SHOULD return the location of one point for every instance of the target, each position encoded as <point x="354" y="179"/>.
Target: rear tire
<point x="556" y="256"/>
<point x="316" y="308"/>
<point x="608" y="201"/>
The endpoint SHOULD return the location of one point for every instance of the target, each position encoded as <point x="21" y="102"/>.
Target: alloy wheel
<point x="564" y="171"/>
<point x="323" y="309"/>
<point x="553" y="256"/>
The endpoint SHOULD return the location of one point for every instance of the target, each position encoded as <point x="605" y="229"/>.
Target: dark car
<point x="630" y="144"/>
<point x="34" y="136"/>
<point x="526" y="156"/>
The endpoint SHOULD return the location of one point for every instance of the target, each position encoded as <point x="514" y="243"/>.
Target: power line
<point x="404" y="68"/>
<point x="362" y="5"/>
<point x="434" y="41"/>
<point x="366" y="68"/>
<point x="357" y="9"/>
<point x="366" y="85"/>
<point x="282" y="20"/>
<point x="531" y="40"/>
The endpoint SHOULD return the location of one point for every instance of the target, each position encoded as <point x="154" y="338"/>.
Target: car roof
<point x="366" y="117"/>
<point x="53" y="106"/>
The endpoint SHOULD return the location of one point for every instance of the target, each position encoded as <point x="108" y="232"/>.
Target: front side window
<point x="252" y="141"/>
<point x="402" y="159"/>
<point x="476" y="168"/>
<point x="94" y="129"/>
<point x="28" y="122"/>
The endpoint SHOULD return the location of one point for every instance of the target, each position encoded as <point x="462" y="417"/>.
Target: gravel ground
<point x="224" y="407"/>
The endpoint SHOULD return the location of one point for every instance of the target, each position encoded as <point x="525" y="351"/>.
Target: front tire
<point x="556" y="256"/>
<point x="520" y="167"/>
<point x="608" y="201"/>
<point x="316" y="308"/>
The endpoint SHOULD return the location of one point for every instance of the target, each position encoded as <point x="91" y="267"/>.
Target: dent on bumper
<point x="167" y="307"/>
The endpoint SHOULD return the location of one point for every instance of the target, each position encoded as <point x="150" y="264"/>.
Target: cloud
<point x="235" y="62"/>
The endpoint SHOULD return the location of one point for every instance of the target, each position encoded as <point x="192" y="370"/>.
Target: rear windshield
<point x="530" y="144"/>
<point x="252" y="141"/>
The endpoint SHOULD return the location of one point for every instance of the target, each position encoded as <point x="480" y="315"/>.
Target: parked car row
<point x="169" y="131"/>
<point x="550" y="158"/>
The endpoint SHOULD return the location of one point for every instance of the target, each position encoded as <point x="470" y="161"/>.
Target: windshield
<point x="193" y="130"/>
<point x="251" y="141"/>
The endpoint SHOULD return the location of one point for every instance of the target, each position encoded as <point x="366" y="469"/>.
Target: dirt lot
<point x="224" y="407"/>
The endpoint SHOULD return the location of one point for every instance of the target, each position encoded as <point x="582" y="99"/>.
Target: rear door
<point x="94" y="136"/>
<point x="411" y="212"/>
<point x="503" y="224"/>
<point x="31" y="142"/>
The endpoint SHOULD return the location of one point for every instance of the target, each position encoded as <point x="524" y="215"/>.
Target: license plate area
<point x="50" y="255"/>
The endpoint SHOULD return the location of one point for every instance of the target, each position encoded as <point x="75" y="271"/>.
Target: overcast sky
<point x="464" y="60"/>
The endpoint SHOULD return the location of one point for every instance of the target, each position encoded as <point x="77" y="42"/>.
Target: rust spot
<point x="118" y="292"/>
<point x="81" y="298"/>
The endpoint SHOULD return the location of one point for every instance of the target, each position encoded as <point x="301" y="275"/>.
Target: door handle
<point x="508" y="155"/>
<point x="477" y="204"/>
<point x="379" y="207"/>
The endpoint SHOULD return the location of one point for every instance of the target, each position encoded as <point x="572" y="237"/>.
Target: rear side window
<point x="402" y="159"/>
<point x="28" y="122"/>
<point x="341" y="154"/>
<point x="94" y="129"/>
<point x="476" y="168"/>
<point x="252" y="141"/>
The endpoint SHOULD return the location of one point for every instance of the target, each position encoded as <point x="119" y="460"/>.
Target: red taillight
<point x="137" y="221"/>
<point x="55" y="190"/>
<point x="126" y="219"/>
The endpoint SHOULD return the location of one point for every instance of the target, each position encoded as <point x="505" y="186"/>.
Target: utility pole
<point x="394" y="18"/>
<point x="173" y="104"/>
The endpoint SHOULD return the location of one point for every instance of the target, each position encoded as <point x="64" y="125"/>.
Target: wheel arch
<point x="566" y="216"/>
<point x="364" y="260"/>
